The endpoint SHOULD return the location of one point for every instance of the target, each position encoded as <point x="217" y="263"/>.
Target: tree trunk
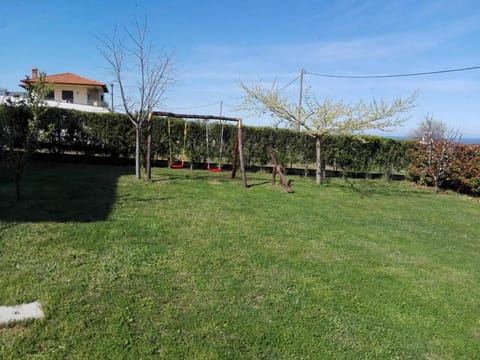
<point x="305" y="157"/>
<point x="240" y="154"/>
<point x="388" y="172"/>
<point x="137" y="151"/>
<point x="318" y="143"/>
<point x="148" y="162"/>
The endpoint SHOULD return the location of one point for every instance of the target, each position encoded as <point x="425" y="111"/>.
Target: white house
<point x="72" y="91"/>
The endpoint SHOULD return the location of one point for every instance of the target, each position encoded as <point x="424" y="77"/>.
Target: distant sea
<point x="465" y="140"/>
<point x="471" y="140"/>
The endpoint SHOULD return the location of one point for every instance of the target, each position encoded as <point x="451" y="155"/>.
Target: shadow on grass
<point x="187" y="174"/>
<point x="369" y="188"/>
<point x="254" y="182"/>
<point x="61" y="193"/>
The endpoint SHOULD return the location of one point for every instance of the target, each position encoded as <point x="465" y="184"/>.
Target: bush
<point x="463" y="174"/>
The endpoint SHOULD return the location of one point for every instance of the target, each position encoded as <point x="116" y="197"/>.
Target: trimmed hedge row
<point x="113" y="136"/>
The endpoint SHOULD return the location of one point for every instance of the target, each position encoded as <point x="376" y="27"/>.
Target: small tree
<point x="434" y="153"/>
<point x="18" y="140"/>
<point x="329" y="117"/>
<point x="152" y="71"/>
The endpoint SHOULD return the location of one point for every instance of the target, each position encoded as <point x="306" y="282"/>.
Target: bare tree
<point x="142" y="73"/>
<point x="436" y="142"/>
<point x="327" y="117"/>
<point x="429" y="129"/>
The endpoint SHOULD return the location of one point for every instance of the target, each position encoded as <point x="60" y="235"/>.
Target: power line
<point x="290" y="83"/>
<point x="394" y="75"/>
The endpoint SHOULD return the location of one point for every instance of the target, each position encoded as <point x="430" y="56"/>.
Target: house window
<point x="67" y="96"/>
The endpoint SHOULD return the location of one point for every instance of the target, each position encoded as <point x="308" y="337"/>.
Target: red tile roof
<point x="69" y="79"/>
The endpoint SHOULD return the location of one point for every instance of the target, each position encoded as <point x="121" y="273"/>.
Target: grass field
<point x="193" y="266"/>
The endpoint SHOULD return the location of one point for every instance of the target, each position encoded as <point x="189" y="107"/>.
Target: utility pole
<point x="221" y="106"/>
<point x="299" y="115"/>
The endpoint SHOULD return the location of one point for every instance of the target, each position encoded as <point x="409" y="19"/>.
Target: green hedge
<point x="112" y="135"/>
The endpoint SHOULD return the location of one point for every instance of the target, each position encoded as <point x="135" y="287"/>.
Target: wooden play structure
<point x="277" y="169"/>
<point x="238" y="146"/>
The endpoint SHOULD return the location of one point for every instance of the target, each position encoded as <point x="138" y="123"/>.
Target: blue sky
<point x="216" y="44"/>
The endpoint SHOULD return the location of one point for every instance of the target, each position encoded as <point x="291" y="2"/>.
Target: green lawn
<point x="193" y="266"/>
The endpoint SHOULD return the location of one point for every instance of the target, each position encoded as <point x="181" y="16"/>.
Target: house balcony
<point x="96" y="103"/>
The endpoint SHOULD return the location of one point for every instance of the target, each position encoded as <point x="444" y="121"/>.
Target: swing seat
<point x="215" y="170"/>
<point x="179" y="162"/>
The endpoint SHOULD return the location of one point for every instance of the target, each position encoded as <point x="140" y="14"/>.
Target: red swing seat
<point x="214" y="170"/>
<point x="176" y="166"/>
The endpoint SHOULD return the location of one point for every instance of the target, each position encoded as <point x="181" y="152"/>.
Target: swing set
<point x="238" y="145"/>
